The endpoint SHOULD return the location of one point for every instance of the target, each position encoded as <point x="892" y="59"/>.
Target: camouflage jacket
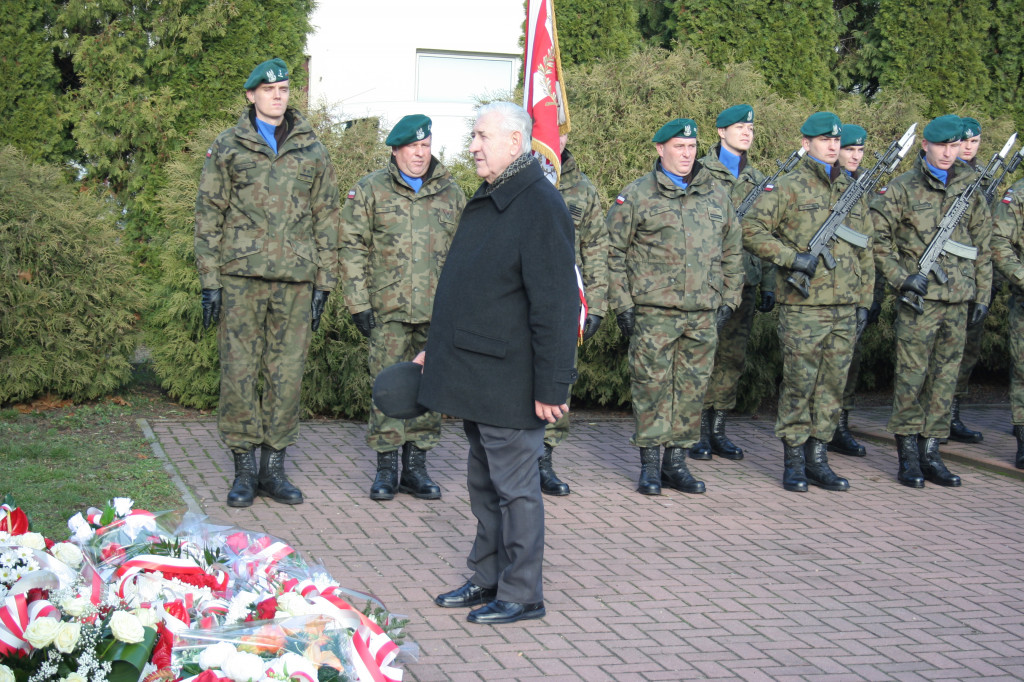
<point x="674" y="248"/>
<point x="394" y="241"/>
<point x="784" y="219"/>
<point x="591" y="235"/>
<point x="264" y="215"/>
<point x="757" y="271"/>
<point x="1008" y="235"/>
<point x="906" y="214"/>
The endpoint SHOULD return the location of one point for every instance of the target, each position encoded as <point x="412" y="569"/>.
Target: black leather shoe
<point x="467" y="595"/>
<point x="498" y="612"/>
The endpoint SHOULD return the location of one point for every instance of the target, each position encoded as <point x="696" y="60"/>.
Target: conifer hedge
<point x="69" y="297"/>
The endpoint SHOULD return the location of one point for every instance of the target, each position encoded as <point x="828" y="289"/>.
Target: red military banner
<point x="544" y="86"/>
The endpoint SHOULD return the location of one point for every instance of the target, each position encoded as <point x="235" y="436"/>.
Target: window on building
<point x="463" y="76"/>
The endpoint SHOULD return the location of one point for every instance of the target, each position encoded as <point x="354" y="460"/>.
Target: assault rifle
<point x="833" y="226"/>
<point x="752" y="196"/>
<point x="990" y="191"/>
<point x="941" y="242"/>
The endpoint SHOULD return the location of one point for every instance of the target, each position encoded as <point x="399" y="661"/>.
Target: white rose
<point x="148" y="617"/>
<point x="74" y="677"/>
<point x="214" y="656"/>
<point x="6" y="674"/>
<point x="294" y="664"/>
<point x="126" y="627"/>
<point x="41" y="631"/>
<point x="293" y="604"/>
<point x="122" y="505"/>
<point x="75" y="606"/>
<point x="31" y="540"/>
<point x="67" y="637"/>
<point x="243" y="667"/>
<point x="67" y="553"/>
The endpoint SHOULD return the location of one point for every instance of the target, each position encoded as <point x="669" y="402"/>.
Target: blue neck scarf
<point x="267" y="131"/>
<point x="415" y="183"/>
<point x="826" y="166"/>
<point x="942" y="175"/>
<point x="730" y="161"/>
<point x="677" y="179"/>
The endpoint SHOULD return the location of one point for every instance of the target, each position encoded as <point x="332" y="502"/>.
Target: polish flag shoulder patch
<point x="209" y="152"/>
<point x="620" y="200"/>
<point x="351" y="194"/>
<point x="883" y="189"/>
<point x="1008" y="197"/>
<point x="769" y="187"/>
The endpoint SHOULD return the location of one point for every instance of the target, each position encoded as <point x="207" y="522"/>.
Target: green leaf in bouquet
<point x="127" y="660"/>
<point x="326" y="673"/>
<point x="108" y="516"/>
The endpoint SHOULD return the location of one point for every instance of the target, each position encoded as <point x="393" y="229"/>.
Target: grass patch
<point x="57" y="459"/>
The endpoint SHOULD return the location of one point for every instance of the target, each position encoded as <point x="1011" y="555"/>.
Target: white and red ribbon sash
<point x="16" y="614"/>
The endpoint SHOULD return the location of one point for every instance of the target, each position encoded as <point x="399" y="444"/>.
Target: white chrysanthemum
<point x="243" y="667"/>
<point x="122" y="505"/>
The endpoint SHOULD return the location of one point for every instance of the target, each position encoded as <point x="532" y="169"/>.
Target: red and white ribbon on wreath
<point x="127" y="571"/>
<point x="16" y="615"/>
<point x="94" y="516"/>
<point x="261" y="564"/>
<point x="374" y="649"/>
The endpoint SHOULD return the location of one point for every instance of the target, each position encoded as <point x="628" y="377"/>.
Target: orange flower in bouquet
<point x="269" y="639"/>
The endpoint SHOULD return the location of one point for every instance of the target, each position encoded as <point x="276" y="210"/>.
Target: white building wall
<point x="366" y="60"/>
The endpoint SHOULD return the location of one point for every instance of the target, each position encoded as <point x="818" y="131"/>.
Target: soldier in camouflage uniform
<point x="851" y="152"/>
<point x="266" y="251"/>
<point x="675" y="268"/>
<point x="727" y="162"/>
<point x="959" y="431"/>
<point x="929" y="344"/>
<point x="396" y="227"/>
<point x="817" y="333"/>
<point x="591" y="248"/>
<point x="1008" y="257"/>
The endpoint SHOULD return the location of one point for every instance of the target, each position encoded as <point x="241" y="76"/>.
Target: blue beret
<point x="270" y="71"/>
<point x="853" y="135"/>
<point x="822" y="123"/>
<point x="677" y="127"/>
<point x="410" y="129"/>
<point x="971" y="127"/>
<point x="948" y="128"/>
<point x="741" y="113"/>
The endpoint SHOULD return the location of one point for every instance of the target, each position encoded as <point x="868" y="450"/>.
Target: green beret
<point x="410" y="129"/>
<point x="948" y="128"/>
<point x="971" y="127"/>
<point x="741" y="113"/>
<point x="853" y="135"/>
<point x="677" y="127"/>
<point x="270" y="71"/>
<point x="822" y="123"/>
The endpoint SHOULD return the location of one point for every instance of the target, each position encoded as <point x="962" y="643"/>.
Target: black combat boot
<point x="550" y="484"/>
<point x="702" y="450"/>
<point x="720" y="443"/>
<point x="818" y="471"/>
<point x="650" y="476"/>
<point x="272" y="482"/>
<point x="385" y="484"/>
<point x="415" y="480"/>
<point x="794" y="475"/>
<point x="674" y="473"/>
<point x="910" y="462"/>
<point x="843" y="441"/>
<point x="932" y="467"/>
<point x="958" y="431"/>
<point x="243" y="490"/>
<point x="1018" y="431"/>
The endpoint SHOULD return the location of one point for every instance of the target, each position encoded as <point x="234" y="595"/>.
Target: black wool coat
<point x="506" y="312"/>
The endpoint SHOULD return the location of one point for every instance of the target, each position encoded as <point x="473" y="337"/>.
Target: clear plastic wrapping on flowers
<point x="111" y="545"/>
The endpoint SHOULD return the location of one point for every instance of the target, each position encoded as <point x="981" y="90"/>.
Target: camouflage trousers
<point x="972" y="351"/>
<point x="1016" y="343"/>
<point x="928" y="351"/>
<point x="817" y="343"/>
<point x="392" y="342"/>
<point x="264" y="333"/>
<point x="852" y="377"/>
<point x="731" y="356"/>
<point x="558" y="431"/>
<point x="671" y="355"/>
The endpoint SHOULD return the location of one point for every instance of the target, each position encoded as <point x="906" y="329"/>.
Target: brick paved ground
<point x="745" y="582"/>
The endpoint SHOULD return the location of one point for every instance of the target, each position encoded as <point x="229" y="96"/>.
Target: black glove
<point x="862" y="321"/>
<point x="767" y="303"/>
<point x="364" y="321"/>
<point x="805" y="263"/>
<point x="917" y="283"/>
<point x="627" y="322"/>
<point x="722" y="316"/>
<point x="211" y="307"/>
<point x="976" y="314"/>
<point x="590" y="325"/>
<point x="875" y="311"/>
<point x="319" y="301"/>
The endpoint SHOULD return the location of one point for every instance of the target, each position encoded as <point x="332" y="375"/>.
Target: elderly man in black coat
<point x="500" y="355"/>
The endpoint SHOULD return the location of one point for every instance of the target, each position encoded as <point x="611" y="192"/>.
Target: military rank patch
<point x="882" y="190"/>
<point x="620" y="200"/>
<point x="351" y="194"/>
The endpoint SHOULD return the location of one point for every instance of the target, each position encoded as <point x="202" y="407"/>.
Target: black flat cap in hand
<point x="396" y="388"/>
